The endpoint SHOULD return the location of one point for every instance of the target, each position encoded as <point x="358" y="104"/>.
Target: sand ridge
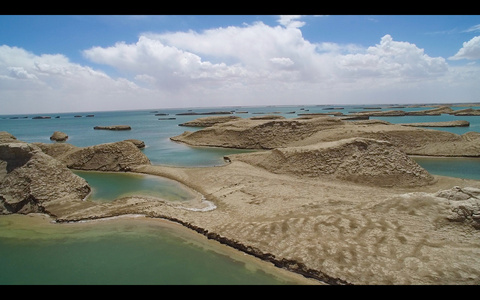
<point x="335" y="231"/>
<point x="366" y="161"/>
<point x="270" y="134"/>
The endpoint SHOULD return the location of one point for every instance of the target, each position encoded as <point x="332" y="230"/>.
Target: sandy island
<point x="333" y="224"/>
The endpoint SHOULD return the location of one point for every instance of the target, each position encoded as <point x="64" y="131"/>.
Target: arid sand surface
<point x="340" y="232"/>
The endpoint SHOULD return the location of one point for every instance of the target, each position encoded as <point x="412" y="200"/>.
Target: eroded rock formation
<point x="140" y="144"/>
<point x="117" y="156"/>
<point x="359" y="160"/>
<point x="33" y="175"/>
<point x="29" y="177"/>
<point x="457" y="123"/>
<point x="113" y="127"/>
<point x="209" y="121"/>
<point x="270" y="134"/>
<point x="257" y="133"/>
<point x="59" y="136"/>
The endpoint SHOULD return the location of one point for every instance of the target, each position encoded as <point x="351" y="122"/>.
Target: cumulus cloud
<point x="393" y="59"/>
<point x="252" y="46"/>
<point x="235" y="65"/>
<point x="291" y="21"/>
<point x="282" y="61"/>
<point x="269" y="60"/>
<point x="257" y="52"/>
<point x="17" y="63"/>
<point x="20" y="73"/>
<point x="53" y="83"/>
<point x="165" y="66"/>
<point x="470" y="50"/>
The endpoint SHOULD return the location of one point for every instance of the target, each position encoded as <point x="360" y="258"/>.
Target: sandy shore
<point x="335" y="232"/>
<point x="35" y="226"/>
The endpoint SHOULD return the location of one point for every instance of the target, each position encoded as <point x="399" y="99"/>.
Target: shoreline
<point x="290" y="265"/>
<point x="258" y="213"/>
<point x="213" y="225"/>
<point x="179" y="230"/>
<point x="296" y="266"/>
<point x="281" y="264"/>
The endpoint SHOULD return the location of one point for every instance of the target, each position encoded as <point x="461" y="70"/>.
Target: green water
<point x="110" y="186"/>
<point x="124" y="251"/>
<point x="468" y="168"/>
<point x="120" y="252"/>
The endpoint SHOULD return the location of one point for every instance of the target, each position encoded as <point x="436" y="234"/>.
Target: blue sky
<point x="65" y="63"/>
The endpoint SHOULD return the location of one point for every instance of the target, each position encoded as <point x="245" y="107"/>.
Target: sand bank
<point x="41" y="226"/>
<point x="334" y="231"/>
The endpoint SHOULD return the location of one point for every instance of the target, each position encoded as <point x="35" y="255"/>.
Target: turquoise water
<point x="145" y="126"/>
<point x="454" y="167"/>
<point x="110" y="186"/>
<point x="115" y="252"/>
<point x="120" y="252"/>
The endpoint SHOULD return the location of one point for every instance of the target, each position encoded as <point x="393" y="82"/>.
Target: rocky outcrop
<point x="140" y="144"/>
<point x="6" y="137"/>
<point x="113" y="127"/>
<point x="457" y="205"/>
<point x="268" y="117"/>
<point x="257" y="133"/>
<point x="432" y="112"/>
<point x="379" y="113"/>
<point x="333" y="113"/>
<point x="355" y="118"/>
<point x="465" y="204"/>
<point x="117" y="156"/>
<point x="57" y="150"/>
<point x="209" y="121"/>
<point x="466" y="112"/>
<point x="59" y="136"/>
<point x="35" y="175"/>
<point x="458" y="123"/>
<point x="204" y="113"/>
<point x="29" y="178"/>
<point x="360" y="160"/>
<point x="270" y="134"/>
<point x="428" y="112"/>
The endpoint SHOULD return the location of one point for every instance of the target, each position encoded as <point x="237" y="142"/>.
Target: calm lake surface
<point x="136" y="250"/>
<point x="110" y="186"/>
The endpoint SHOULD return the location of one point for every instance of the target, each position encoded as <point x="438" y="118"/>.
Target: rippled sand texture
<point x="348" y="232"/>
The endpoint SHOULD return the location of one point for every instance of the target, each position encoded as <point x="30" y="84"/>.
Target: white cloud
<point x="393" y="59"/>
<point x="473" y="28"/>
<point x="20" y="73"/>
<point x="291" y="21"/>
<point x="282" y="61"/>
<point x="258" y="50"/>
<point x="252" y="46"/>
<point x="470" y="50"/>
<point x="166" y="66"/>
<point x="272" y="63"/>
<point x="248" y="65"/>
<point x="50" y="83"/>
